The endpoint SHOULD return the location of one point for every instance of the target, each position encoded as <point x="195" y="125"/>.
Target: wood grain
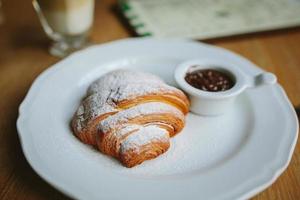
<point x="23" y="56"/>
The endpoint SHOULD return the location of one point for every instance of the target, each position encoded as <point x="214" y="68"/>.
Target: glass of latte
<point x="66" y="22"/>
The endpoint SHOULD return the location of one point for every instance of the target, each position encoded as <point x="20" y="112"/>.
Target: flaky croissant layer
<point x="130" y="115"/>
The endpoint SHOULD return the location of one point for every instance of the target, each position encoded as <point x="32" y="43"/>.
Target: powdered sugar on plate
<point x="199" y="147"/>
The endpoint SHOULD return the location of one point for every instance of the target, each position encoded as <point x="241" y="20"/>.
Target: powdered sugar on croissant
<point x="130" y="115"/>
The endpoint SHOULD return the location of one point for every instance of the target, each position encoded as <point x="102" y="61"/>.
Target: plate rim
<point x="21" y="128"/>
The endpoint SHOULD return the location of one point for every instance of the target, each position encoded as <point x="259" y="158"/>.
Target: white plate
<point x="230" y="157"/>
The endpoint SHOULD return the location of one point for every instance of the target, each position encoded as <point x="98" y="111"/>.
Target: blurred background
<point x="266" y="32"/>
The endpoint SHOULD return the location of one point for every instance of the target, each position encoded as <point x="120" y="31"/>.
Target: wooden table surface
<point x="23" y="56"/>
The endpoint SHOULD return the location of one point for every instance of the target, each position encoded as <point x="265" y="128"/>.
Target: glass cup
<point x="66" y="22"/>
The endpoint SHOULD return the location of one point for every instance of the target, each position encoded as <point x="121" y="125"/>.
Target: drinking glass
<point x="66" y="22"/>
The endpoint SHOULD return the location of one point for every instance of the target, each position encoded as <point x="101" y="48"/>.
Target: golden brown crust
<point x="177" y="99"/>
<point x="88" y="134"/>
<point x="109" y="142"/>
<point x="149" y="151"/>
<point x="133" y="127"/>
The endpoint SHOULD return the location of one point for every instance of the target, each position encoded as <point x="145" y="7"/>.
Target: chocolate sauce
<point x="209" y="80"/>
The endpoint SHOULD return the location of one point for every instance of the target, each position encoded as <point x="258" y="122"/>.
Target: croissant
<point x="130" y="115"/>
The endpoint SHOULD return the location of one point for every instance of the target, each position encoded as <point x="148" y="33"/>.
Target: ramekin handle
<point x="265" y="78"/>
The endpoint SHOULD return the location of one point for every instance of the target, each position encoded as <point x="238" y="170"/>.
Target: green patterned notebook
<point x="203" y="19"/>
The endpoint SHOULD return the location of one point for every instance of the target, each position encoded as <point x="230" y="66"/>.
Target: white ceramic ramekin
<point x="217" y="103"/>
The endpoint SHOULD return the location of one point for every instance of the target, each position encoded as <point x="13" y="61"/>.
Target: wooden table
<point x="23" y="56"/>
